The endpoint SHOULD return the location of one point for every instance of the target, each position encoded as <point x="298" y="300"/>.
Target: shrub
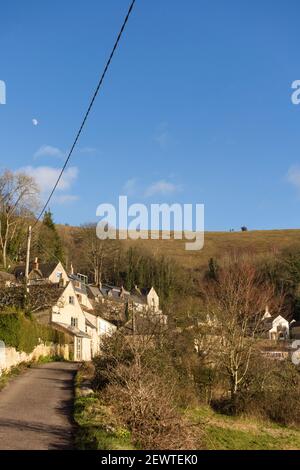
<point x="279" y="399"/>
<point x="142" y="386"/>
<point x="272" y="391"/>
<point x="147" y="405"/>
<point x="24" y="334"/>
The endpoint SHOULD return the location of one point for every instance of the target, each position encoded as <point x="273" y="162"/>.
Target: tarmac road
<point x="36" y="409"/>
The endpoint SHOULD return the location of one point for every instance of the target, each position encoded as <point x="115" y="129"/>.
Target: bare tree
<point x="18" y="199"/>
<point x="97" y="252"/>
<point x="235" y="304"/>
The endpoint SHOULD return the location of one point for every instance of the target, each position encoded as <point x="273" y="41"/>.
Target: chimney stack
<point x="267" y="312"/>
<point x="72" y="269"/>
<point x="36" y="263"/>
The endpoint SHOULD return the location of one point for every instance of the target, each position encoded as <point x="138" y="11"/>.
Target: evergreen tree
<point x="49" y="242"/>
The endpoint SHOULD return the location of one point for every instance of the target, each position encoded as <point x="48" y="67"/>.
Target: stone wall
<point x="10" y="357"/>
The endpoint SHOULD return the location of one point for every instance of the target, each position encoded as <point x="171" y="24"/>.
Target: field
<point x="217" y="244"/>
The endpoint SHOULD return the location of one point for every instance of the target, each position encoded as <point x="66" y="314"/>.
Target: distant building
<point x="143" y="300"/>
<point x="87" y="314"/>
<point x="275" y="327"/>
<point x="42" y="273"/>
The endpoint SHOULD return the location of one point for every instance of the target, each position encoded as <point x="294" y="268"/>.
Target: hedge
<point x="24" y="334"/>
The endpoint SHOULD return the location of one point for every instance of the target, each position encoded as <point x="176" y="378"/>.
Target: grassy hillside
<point x="216" y="244"/>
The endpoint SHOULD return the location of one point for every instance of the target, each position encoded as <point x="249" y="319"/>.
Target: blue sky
<point x="196" y="107"/>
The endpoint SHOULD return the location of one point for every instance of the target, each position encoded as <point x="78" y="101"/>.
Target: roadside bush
<point x="147" y="405"/>
<point x="141" y="384"/>
<point x="114" y="351"/>
<point x="24" y="334"/>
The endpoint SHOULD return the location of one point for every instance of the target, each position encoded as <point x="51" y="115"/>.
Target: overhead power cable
<point x="87" y="112"/>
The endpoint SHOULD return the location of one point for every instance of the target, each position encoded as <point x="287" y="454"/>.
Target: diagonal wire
<point x="87" y="112"/>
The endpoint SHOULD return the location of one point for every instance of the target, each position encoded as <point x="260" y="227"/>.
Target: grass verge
<point x="13" y="372"/>
<point x="98" y="428"/>
<point x="243" y="433"/>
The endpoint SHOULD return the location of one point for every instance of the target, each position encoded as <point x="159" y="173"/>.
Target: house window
<point x="71" y="300"/>
<point x="74" y="322"/>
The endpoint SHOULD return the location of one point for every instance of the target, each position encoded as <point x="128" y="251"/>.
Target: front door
<point x="78" y="349"/>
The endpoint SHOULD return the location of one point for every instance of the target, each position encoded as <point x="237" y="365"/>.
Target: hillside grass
<point x="216" y="244"/>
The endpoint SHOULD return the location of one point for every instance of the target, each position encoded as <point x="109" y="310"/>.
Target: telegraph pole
<point x="28" y="257"/>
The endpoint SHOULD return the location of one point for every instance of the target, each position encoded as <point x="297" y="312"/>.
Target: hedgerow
<point x="24" y="334"/>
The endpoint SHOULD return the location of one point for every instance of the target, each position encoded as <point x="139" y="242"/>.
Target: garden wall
<point x="10" y="357"/>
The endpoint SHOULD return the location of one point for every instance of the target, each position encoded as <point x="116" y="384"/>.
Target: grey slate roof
<point x="44" y="269"/>
<point x="93" y="292"/>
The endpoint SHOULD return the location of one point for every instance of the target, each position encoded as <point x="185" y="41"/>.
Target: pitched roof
<point x="140" y="295"/>
<point x="93" y="292"/>
<point x="45" y="269"/>
<point x="40" y="297"/>
<point x="70" y="329"/>
<point x="113" y="292"/>
<point x="90" y="324"/>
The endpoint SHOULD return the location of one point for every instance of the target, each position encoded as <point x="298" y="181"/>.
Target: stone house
<point x="53" y="273"/>
<point x="68" y="316"/>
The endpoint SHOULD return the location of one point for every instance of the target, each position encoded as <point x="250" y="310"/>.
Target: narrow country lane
<point x="36" y="409"/>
